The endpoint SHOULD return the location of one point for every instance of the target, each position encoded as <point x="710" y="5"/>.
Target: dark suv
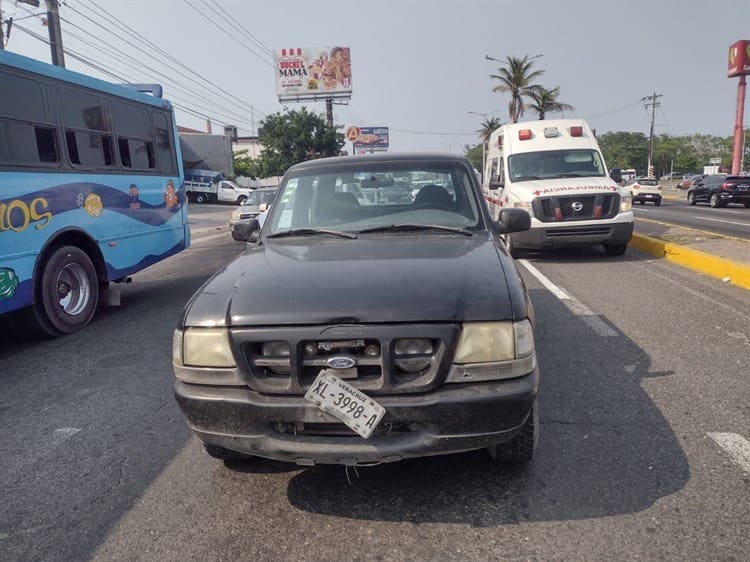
<point x="718" y="190"/>
<point x="356" y="334"/>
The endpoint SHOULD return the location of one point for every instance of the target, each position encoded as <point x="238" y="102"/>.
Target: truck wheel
<point x="200" y="198"/>
<point x="241" y="199"/>
<point x="615" y="249"/>
<point x="514" y="251"/>
<point x="68" y="292"/>
<point x="522" y="446"/>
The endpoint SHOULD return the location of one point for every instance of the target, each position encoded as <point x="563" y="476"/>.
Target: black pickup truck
<point x="364" y="330"/>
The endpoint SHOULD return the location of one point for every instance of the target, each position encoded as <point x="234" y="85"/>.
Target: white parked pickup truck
<point x="207" y="186"/>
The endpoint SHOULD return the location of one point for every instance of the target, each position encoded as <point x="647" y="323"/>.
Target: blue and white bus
<point x="91" y="191"/>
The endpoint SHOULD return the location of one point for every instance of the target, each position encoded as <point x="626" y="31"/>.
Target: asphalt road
<point x="645" y="404"/>
<point x="730" y="221"/>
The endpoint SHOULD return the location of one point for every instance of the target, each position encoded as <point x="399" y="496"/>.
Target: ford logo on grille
<point x="577" y="206"/>
<point x="341" y="362"/>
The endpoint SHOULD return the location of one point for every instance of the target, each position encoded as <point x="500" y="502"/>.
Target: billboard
<point x="313" y="74"/>
<point x="371" y="139"/>
<point x="739" y="58"/>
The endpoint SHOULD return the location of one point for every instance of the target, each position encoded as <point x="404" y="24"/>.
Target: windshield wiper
<point x="414" y="227"/>
<point x="310" y="231"/>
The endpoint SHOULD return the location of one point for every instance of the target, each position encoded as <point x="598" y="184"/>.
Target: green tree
<point x="516" y="78"/>
<point x="243" y="164"/>
<point x="474" y="154"/>
<point x="488" y="127"/>
<point x="290" y="137"/>
<point x="545" y="101"/>
<point x="624" y="150"/>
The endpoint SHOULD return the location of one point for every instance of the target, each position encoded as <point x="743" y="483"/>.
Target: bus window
<point x="115" y="207"/>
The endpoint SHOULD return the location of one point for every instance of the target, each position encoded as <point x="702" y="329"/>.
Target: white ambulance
<point x="555" y="170"/>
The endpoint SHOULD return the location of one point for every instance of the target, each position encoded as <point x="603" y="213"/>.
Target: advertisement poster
<point x="313" y="74"/>
<point x="371" y="139"/>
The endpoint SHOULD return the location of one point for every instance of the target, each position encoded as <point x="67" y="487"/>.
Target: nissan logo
<point x="577" y="206"/>
<point x="341" y="362"/>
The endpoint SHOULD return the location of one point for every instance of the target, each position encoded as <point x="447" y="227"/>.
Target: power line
<point x="108" y="72"/>
<point x="234" y="23"/>
<point x="128" y="42"/>
<point x="230" y="117"/>
<point x="111" y="18"/>
<point x="243" y="45"/>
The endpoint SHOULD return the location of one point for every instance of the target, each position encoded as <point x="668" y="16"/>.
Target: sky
<point x="419" y="67"/>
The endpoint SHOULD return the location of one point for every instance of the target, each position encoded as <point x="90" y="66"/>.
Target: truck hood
<point x="384" y="278"/>
<point x="566" y="186"/>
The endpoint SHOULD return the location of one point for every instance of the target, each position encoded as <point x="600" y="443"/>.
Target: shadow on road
<point x="605" y="448"/>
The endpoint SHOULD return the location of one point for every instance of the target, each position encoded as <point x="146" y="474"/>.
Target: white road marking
<point x="736" y="446"/>
<point x="551" y="287"/>
<point x="577" y="308"/>
<point x="722" y="220"/>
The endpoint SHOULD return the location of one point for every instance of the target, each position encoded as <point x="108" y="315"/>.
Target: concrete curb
<point x="720" y="268"/>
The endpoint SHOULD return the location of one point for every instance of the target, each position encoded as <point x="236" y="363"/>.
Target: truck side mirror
<point x="513" y="220"/>
<point x="246" y="231"/>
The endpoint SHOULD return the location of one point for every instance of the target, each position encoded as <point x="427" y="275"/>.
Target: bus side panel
<point x="135" y="220"/>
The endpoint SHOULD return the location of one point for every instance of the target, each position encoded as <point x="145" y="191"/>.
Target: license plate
<point x="742" y="188"/>
<point x="649" y="196"/>
<point x="340" y="399"/>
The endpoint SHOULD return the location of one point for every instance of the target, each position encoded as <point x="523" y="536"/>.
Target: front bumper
<point x="560" y="235"/>
<point x="454" y="418"/>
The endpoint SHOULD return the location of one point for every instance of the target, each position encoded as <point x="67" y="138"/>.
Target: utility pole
<point x="329" y="111"/>
<point x="55" y="33"/>
<point x="653" y="104"/>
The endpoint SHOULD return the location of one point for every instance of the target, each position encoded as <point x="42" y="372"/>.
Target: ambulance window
<point x="493" y="170"/>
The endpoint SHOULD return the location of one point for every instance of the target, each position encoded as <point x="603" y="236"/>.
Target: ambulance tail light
<point x="576" y="131"/>
<point x="524" y="134"/>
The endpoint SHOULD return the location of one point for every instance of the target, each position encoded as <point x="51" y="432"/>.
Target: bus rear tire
<point x="68" y="292"/>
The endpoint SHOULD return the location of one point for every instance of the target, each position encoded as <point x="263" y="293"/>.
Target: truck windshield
<point x="365" y="198"/>
<point x="550" y="164"/>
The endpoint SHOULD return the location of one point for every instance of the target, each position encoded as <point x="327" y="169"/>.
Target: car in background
<point x="644" y="189"/>
<point x="315" y="346"/>
<point x="257" y="202"/>
<point x="672" y="176"/>
<point x="689" y="181"/>
<point x="718" y="190"/>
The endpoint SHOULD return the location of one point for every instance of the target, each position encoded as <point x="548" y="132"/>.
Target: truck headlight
<point x="526" y="205"/>
<point x="493" y="351"/>
<point x="626" y="203"/>
<point x="202" y="347"/>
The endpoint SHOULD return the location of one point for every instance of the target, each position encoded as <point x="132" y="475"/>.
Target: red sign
<point x="739" y="58"/>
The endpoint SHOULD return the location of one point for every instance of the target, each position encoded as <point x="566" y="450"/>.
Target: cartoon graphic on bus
<point x="8" y="283"/>
<point x="170" y="197"/>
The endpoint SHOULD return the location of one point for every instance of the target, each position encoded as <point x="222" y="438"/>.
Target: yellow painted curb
<point x="720" y="268"/>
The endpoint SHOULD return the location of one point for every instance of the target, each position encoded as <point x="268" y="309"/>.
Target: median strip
<point x="714" y="266"/>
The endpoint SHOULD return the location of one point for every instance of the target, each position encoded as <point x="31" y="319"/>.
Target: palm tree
<point x="545" y="101"/>
<point x="516" y="77"/>
<point x="487" y="128"/>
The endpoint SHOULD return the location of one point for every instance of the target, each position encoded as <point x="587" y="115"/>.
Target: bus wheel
<point x="68" y="292"/>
